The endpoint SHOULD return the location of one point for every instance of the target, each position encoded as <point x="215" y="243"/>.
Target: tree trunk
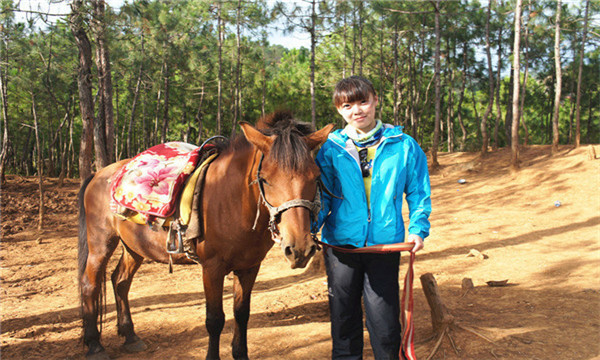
<point x="4" y="95"/>
<point x="313" y="46"/>
<point x="450" y="110"/>
<point x="105" y="78"/>
<point x="498" y="86"/>
<point x="200" y="115"/>
<point x="220" y="65"/>
<point x="136" y="96"/>
<point x="436" y="131"/>
<point x="84" y="84"/>
<point x="395" y="75"/>
<point x="578" y="101"/>
<point x="360" y="37"/>
<point x="463" y="129"/>
<point x="236" y="109"/>
<point x="558" y="87"/>
<point x="516" y="86"/>
<point x="525" y="76"/>
<point x="165" y="121"/>
<point x="40" y="164"/>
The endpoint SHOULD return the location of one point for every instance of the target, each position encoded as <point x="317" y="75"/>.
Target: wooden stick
<point x="438" y="343"/>
<point x="452" y="342"/>
<point x="473" y="331"/>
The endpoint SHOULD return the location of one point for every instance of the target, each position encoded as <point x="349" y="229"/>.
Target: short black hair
<point x="351" y="89"/>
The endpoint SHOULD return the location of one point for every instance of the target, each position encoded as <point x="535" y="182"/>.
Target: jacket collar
<point x="390" y="133"/>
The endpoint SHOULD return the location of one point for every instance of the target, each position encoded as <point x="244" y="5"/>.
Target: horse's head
<point x="287" y="176"/>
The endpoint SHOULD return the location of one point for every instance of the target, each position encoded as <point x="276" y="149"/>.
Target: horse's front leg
<point x="242" y="289"/>
<point x="215" y="317"/>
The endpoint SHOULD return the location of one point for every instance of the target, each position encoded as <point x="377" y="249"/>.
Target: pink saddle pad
<point x="150" y="183"/>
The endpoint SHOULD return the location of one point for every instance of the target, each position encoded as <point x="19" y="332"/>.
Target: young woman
<point x="372" y="165"/>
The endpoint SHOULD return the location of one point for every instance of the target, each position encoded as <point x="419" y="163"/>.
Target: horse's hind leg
<point x="121" y="278"/>
<point x="92" y="291"/>
<point x="242" y="289"/>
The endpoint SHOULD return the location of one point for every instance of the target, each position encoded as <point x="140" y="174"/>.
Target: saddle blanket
<point x="151" y="182"/>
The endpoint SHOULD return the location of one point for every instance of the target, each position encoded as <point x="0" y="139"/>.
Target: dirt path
<point x="550" y="256"/>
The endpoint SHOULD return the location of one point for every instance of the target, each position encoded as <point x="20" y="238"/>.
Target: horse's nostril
<point x="287" y="251"/>
<point x="313" y="250"/>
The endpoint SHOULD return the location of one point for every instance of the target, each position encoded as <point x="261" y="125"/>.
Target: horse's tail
<point x="82" y="257"/>
<point x="82" y="253"/>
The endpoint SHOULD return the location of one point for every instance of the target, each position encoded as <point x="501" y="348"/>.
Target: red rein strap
<point x="408" y="329"/>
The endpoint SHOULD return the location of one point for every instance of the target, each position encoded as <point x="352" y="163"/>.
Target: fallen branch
<point x="475" y="332"/>
<point x="438" y="343"/>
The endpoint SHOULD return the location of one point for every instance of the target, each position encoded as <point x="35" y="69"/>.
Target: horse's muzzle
<point x="299" y="256"/>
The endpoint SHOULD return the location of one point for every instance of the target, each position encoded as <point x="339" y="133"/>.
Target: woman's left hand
<point x="418" y="242"/>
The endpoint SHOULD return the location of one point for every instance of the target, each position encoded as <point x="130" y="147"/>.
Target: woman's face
<point x="360" y="114"/>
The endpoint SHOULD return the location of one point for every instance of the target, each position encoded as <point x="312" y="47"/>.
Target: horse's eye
<point x="264" y="181"/>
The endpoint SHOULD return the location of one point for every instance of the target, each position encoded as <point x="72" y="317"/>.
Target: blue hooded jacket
<point x="399" y="167"/>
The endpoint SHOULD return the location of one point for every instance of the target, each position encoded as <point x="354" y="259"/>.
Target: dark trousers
<point x="374" y="277"/>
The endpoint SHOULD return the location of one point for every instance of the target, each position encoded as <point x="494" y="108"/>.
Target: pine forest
<point x="97" y="84"/>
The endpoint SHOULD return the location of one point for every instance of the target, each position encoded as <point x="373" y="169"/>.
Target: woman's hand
<point x="418" y="242"/>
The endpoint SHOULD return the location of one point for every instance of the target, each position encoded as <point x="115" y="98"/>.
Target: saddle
<point x="162" y="187"/>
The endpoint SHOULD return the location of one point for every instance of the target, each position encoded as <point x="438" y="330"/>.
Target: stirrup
<point x="175" y="247"/>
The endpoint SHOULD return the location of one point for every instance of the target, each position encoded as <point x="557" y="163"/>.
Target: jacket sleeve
<point x="327" y="175"/>
<point x="418" y="191"/>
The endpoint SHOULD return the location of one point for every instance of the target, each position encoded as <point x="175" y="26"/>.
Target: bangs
<point x="352" y="89"/>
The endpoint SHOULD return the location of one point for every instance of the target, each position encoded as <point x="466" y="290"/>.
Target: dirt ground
<point x="550" y="256"/>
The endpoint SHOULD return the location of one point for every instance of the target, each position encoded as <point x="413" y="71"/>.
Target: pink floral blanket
<point x="150" y="183"/>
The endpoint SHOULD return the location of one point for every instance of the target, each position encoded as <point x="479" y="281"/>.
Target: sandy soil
<point x="550" y="256"/>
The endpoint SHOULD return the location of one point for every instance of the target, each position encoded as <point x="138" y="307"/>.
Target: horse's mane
<point x="289" y="149"/>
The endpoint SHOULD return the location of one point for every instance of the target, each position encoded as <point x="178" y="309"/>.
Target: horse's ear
<point x="258" y="139"/>
<point x="318" y="137"/>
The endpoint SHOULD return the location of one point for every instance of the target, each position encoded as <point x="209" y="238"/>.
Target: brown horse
<point x="262" y="187"/>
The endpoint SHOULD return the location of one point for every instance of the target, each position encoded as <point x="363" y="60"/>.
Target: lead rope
<point x="408" y="328"/>
<point x="407" y="349"/>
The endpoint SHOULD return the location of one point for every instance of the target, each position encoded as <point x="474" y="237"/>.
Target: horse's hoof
<point x="136" y="346"/>
<point x="102" y="355"/>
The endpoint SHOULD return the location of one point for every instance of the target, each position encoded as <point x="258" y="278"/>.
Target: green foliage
<point x="152" y="40"/>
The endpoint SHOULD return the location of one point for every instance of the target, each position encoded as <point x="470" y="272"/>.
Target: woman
<point x="372" y="165"/>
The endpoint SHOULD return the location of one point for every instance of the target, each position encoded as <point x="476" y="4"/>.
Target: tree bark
<point x="436" y="131"/>
<point x="578" y="101"/>
<point x="84" y="84"/>
<point x="558" y="84"/>
<point x="4" y="95"/>
<point x="238" y="67"/>
<point x="40" y="164"/>
<point x="200" y="115"/>
<point x="516" y="87"/>
<point x="360" y="37"/>
<point x="104" y="78"/>
<point x="313" y="46"/>
<point x="525" y="76"/>
<point x="497" y="88"/>
<point x="136" y="96"/>
<point x="166" y="78"/>
<point x="461" y="123"/>
<point x="395" y="76"/>
<point x="220" y="65"/>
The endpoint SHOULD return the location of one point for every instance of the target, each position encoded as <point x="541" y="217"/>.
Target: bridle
<point x="275" y="211"/>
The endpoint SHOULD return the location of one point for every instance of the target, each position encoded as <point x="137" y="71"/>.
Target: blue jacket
<point x="399" y="167"/>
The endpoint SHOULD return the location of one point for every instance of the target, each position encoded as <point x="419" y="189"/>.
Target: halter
<point x="275" y="211"/>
